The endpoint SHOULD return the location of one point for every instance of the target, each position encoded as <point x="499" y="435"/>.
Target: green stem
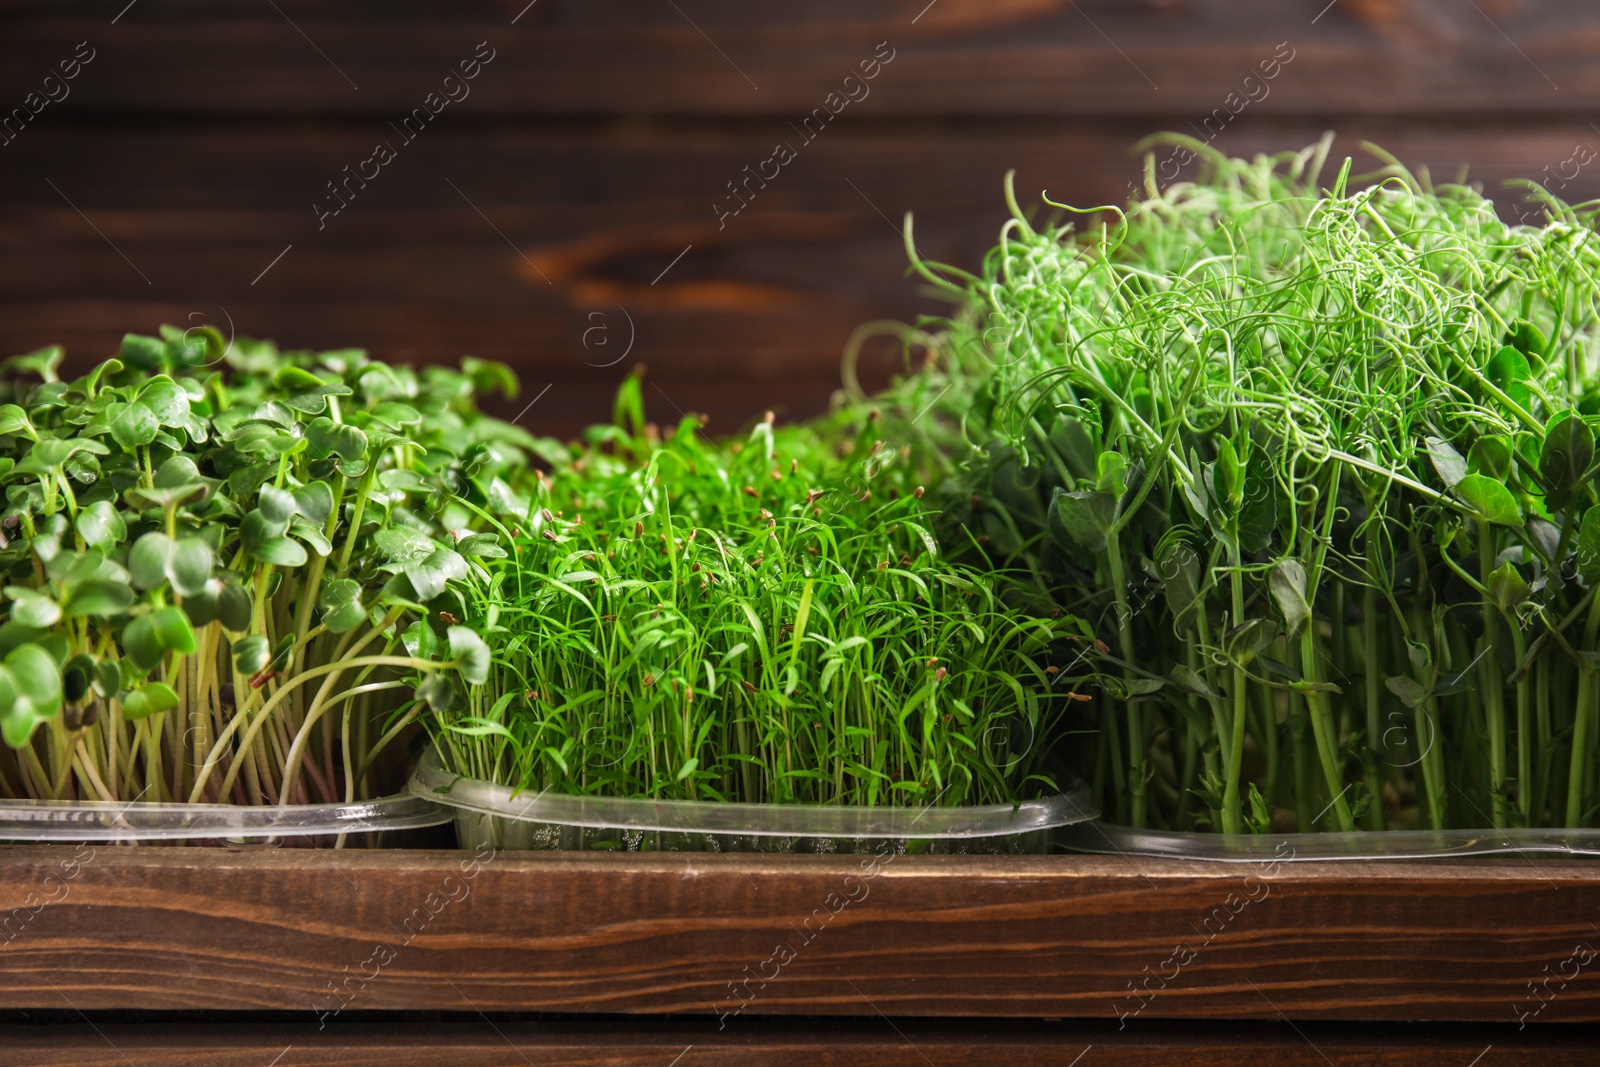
<point x="1583" y="726"/>
<point x="1137" y="775"/>
<point x="1492" y="684"/>
<point x="1232" y="807"/>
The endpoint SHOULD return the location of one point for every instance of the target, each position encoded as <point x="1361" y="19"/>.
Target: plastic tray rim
<point x="1329" y="846"/>
<point x="433" y="782"/>
<point x="99" y="820"/>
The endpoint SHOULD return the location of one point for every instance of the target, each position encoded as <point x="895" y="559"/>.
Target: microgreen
<point x="693" y="619"/>
<point x="212" y="554"/>
<point x="1317" y="461"/>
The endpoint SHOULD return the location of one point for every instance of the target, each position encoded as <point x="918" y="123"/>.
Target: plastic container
<point x="499" y="817"/>
<point x="46" y="820"/>
<point x="1337" y="845"/>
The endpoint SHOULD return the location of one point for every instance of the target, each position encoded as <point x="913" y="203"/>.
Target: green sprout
<point x="212" y="554"/>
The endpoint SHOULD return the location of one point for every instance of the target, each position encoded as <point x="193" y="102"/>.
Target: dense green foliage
<point x="1318" y="464"/>
<point x="761" y="619"/>
<point x="210" y="554"/>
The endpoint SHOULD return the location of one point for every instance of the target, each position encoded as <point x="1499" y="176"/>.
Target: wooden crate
<point x="933" y="959"/>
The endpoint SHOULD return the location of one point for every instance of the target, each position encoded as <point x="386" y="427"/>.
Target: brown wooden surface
<point x="190" y="150"/>
<point x="1041" y="937"/>
<point x="481" y="1042"/>
<point x="961" y="57"/>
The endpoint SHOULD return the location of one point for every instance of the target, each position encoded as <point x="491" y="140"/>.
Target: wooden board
<point x="1041" y="937"/>
<point x="951" y="57"/>
<point x="484" y="1042"/>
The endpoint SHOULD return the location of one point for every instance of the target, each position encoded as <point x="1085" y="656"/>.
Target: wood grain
<point x="1040" y="937"/>
<point x="955" y="57"/>
<point x="478" y="1042"/>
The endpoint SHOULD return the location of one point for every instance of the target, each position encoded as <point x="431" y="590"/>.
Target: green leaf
<point x="233" y="607"/>
<point x="293" y="379"/>
<point x="1565" y="456"/>
<point x="436" y="691"/>
<point x="249" y="478"/>
<point x="14" y="635"/>
<point x="1288" y="585"/>
<point x="201" y="606"/>
<point x="345" y="617"/>
<point x="189" y="566"/>
<point x="1189" y="679"/>
<point x="341" y="605"/>
<point x="1527" y="338"/>
<point x="1258" y="515"/>
<point x="177" y="470"/>
<point x="1490" y="455"/>
<point x="30" y="692"/>
<point x="470" y="653"/>
<point x="420" y="641"/>
<point x="430" y="576"/>
<point x="147" y="560"/>
<point x="398" y="416"/>
<point x="98" y="598"/>
<point x="1244" y="643"/>
<point x="1227" y="476"/>
<point x="36" y="675"/>
<point x="329" y="438"/>
<point x="149" y="699"/>
<point x="52" y="453"/>
<point x="481" y="546"/>
<point x="32" y="608"/>
<point x="402" y="544"/>
<point x="142" y="643"/>
<point x="256" y="528"/>
<point x="1073" y="443"/>
<point x="1111" y="474"/>
<point x="489" y="376"/>
<point x="1451" y="465"/>
<point x="250" y="654"/>
<point x="278" y="506"/>
<point x="136" y="426"/>
<point x="1507" y="588"/>
<point x="1085" y="516"/>
<point x="281" y="552"/>
<point x="1408" y="690"/>
<point x="1589" y="546"/>
<point x="312" y="535"/>
<point x="42" y="361"/>
<point x="145" y="353"/>
<point x="314" y="501"/>
<point x="76" y="676"/>
<point x="167" y="401"/>
<point x="143" y="499"/>
<point x="1509" y="370"/>
<point x="1178" y="567"/>
<point x="14" y="420"/>
<point x="1489" y="500"/>
<point x="101" y="525"/>
<point x="106" y="680"/>
<point x="173" y="630"/>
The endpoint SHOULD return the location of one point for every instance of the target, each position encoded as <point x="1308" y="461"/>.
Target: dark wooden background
<point x="590" y="152"/>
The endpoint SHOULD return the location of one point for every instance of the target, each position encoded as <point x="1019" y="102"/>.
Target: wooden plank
<point x="412" y="270"/>
<point x="718" y="936"/>
<point x="717" y="57"/>
<point x="479" y="1042"/>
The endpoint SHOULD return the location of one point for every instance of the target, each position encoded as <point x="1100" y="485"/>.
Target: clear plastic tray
<point x="1359" y="845"/>
<point x="501" y="817"/>
<point x="46" y="820"/>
